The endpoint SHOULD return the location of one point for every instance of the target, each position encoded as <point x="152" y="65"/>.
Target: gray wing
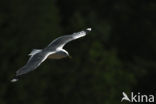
<point x="61" y="41"/>
<point x="33" y="62"/>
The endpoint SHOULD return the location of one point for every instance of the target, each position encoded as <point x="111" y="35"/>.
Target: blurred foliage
<point x="118" y="55"/>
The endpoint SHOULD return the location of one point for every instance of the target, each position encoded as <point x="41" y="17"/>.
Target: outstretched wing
<point x="33" y="62"/>
<point x="61" y="41"/>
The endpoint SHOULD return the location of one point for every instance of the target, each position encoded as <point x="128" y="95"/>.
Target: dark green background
<point x="118" y="55"/>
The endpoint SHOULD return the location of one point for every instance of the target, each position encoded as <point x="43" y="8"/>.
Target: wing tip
<point x="89" y="29"/>
<point x="14" y="80"/>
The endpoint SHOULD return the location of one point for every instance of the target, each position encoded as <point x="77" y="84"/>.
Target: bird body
<point x="53" y="51"/>
<point x="59" y="54"/>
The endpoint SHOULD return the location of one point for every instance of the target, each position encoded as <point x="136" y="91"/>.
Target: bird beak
<point x="70" y="57"/>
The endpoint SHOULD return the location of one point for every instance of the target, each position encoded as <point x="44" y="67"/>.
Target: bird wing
<point x="33" y="62"/>
<point x="61" y="41"/>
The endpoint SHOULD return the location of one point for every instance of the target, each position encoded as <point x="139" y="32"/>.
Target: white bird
<point x="53" y="51"/>
<point x="125" y="97"/>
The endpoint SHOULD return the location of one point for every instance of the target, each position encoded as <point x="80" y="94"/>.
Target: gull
<point x="53" y="51"/>
<point x="125" y="97"/>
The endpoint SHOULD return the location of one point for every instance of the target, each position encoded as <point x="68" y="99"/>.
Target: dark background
<point x="118" y="55"/>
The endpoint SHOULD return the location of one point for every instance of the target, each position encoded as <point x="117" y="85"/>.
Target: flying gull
<point x="53" y="51"/>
